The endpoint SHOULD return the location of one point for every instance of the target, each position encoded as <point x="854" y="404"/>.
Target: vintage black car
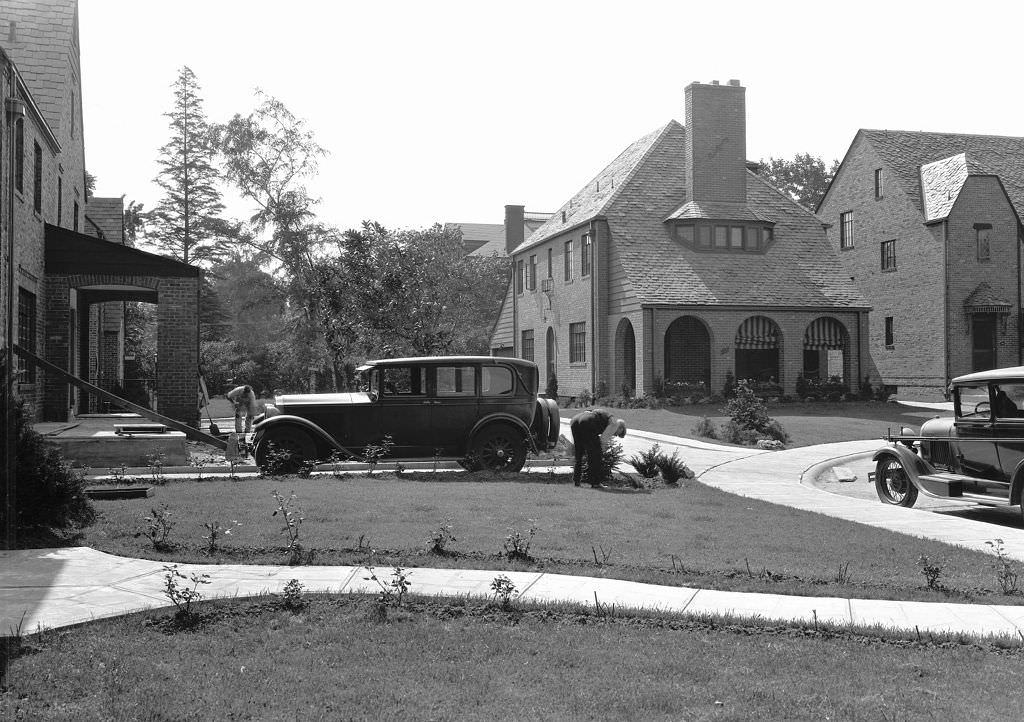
<point x="480" y="409"/>
<point x="975" y="455"/>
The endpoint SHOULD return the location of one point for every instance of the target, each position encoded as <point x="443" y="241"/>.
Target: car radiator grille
<point x="939" y="453"/>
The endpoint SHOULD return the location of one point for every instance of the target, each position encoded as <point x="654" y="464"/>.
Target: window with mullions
<point x="527" y="345"/>
<point x="889" y="255"/>
<point x="878" y="183"/>
<point x="551" y="265"/>
<point x="586" y="256"/>
<point x="722" y="237"/>
<point x="846" y="229"/>
<point x="890" y="334"/>
<point x="37" y="179"/>
<point x="531" y="277"/>
<point x="19" y="155"/>
<point x="26" y="334"/>
<point x="984" y="248"/>
<point x="577" y="342"/>
<point x="520" y="276"/>
<point x="568" y="260"/>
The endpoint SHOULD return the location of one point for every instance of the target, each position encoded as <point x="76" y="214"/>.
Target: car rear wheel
<point x="284" y="451"/>
<point x="500" y="448"/>
<point x="893" y="484"/>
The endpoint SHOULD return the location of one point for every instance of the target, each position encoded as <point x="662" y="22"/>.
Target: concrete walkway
<point x="47" y="588"/>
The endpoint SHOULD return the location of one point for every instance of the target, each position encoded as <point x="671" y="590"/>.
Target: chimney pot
<point x="734" y="83"/>
<point x="714" y="82"/>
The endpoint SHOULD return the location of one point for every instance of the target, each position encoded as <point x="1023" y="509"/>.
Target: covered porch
<point x="83" y="272"/>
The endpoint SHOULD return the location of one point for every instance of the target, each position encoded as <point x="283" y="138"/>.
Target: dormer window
<point x="725" y="236"/>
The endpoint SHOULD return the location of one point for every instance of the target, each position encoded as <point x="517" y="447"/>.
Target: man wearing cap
<point x="591" y="432"/>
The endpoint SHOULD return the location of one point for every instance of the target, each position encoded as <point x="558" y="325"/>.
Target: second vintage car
<point x="975" y="455"/>
<point x="482" y="409"/>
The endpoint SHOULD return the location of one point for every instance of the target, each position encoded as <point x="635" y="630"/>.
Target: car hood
<point x="291" y="400"/>
<point x="941" y="427"/>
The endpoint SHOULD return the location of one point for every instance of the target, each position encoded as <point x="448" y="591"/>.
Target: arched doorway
<point x="550" y="355"/>
<point x="688" y="351"/>
<point x="757" y="350"/>
<point x="625" y="358"/>
<point x="825" y="342"/>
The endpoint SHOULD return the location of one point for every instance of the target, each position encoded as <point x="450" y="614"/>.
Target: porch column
<point x="57" y="345"/>
<point x="177" y="349"/>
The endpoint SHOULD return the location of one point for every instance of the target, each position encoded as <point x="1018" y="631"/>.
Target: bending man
<point x="591" y="431"/>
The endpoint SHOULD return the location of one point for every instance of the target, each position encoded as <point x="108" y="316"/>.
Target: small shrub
<point x="159" y="525"/>
<point x="801" y="385"/>
<point x="278" y="462"/>
<point x="706" y="428"/>
<point x="156" y="463"/>
<point x="733" y="433"/>
<point x="551" y="390"/>
<point x="373" y="453"/>
<point x="292" y="597"/>
<point x="214" y="531"/>
<point x="292" y="517"/>
<point x="746" y="409"/>
<point x="182" y="596"/>
<point x="601" y="390"/>
<point x="672" y="468"/>
<point x="393" y="593"/>
<point x="730" y="385"/>
<point x="441" y="537"/>
<point x="646" y="462"/>
<point x="932" y="572"/>
<point x="658" y="387"/>
<point x="1006" y="576"/>
<point x="503" y="589"/>
<point x="517" y="544"/>
<point x="777" y="432"/>
<point x="51" y="495"/>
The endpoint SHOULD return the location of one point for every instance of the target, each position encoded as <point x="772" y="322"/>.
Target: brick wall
<point x="178" y="348"/>
<point x="982" y="200"/>
<point x="913" y="295"/>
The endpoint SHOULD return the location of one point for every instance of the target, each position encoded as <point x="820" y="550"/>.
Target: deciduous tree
<point x="804" y="179"/>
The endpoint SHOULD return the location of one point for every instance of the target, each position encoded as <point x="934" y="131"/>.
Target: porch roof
<point x="70" y="252"/>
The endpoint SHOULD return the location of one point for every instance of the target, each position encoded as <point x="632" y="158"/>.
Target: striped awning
<point x="757" y="332"/>
<point x="825" y="333"/>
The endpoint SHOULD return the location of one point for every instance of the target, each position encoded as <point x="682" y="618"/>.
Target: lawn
<point x="337" y="659"/>
<point x="693" y="535"/>
<point x="807" y="423"/>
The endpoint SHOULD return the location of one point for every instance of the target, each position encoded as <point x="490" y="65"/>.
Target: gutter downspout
<point x="14" y="109"/>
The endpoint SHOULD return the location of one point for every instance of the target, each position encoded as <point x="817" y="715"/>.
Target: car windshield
<point x="972" y="401"/>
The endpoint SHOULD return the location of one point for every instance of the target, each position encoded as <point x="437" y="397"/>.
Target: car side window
<point x="972" y="402"/>
<point x="496" y="381"/>
<point x="403" y="381"/>
<point x="456" y="381"/>
<point x="1008" y="400"/>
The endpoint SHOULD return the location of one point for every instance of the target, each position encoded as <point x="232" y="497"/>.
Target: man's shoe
<point x="575" y="483"/>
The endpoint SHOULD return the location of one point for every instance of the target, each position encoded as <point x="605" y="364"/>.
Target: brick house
<point x="928" y="225"/>
<point x="58" y="280"/>
<point x="678" y="262"/>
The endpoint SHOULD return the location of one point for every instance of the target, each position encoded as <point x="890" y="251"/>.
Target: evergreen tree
<point x="186" y="223"/>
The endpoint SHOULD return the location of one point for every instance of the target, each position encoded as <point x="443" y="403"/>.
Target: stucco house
<point x="678" y="262"/>
<point x="63" y="256"/>
<point x="928" y="225"/>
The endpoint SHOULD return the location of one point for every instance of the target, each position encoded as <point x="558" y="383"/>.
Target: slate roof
<point x="42" y="38"/>
<point x="905" y="152"/>
<point x="983" y="297"/>
<point x="488" y="239"/>
<point x="107" y="215"/>
<point x="798" y="269"/>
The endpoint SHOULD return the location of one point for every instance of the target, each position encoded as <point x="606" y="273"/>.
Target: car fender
<point x="501" y="419"/>
<point x="1017" y="485"/>
<point x="914" y="465"/>
<point x="321" y="438"/>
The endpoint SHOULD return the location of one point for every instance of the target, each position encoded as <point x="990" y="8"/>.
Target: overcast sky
<point x="439" y="111"/>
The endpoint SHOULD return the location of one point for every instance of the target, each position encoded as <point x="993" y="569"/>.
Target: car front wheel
<point x="501" y="448"/>
<point x="893" y="484"/>
<point x="284" y="451"/>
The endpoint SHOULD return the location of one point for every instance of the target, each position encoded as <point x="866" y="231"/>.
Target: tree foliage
<point x="804" y="179"/>
<point x="186" y="223"/>
<point x="409" y="292"/>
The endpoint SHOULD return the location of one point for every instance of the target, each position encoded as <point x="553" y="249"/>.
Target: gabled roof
<point x="107" y="214"/>
<point x="481" y="238"/>
<point x="906" y="152"/>
<point x="42" y="47"/>
<point x="798" y="269"/>
<point x="592" y="200"/>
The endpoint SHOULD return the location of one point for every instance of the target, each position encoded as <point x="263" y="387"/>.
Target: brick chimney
<point x="716" y="142"/>
<point x="514" y="234"/>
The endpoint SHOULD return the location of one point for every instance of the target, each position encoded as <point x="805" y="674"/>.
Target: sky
<point x="435" y="111"/>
